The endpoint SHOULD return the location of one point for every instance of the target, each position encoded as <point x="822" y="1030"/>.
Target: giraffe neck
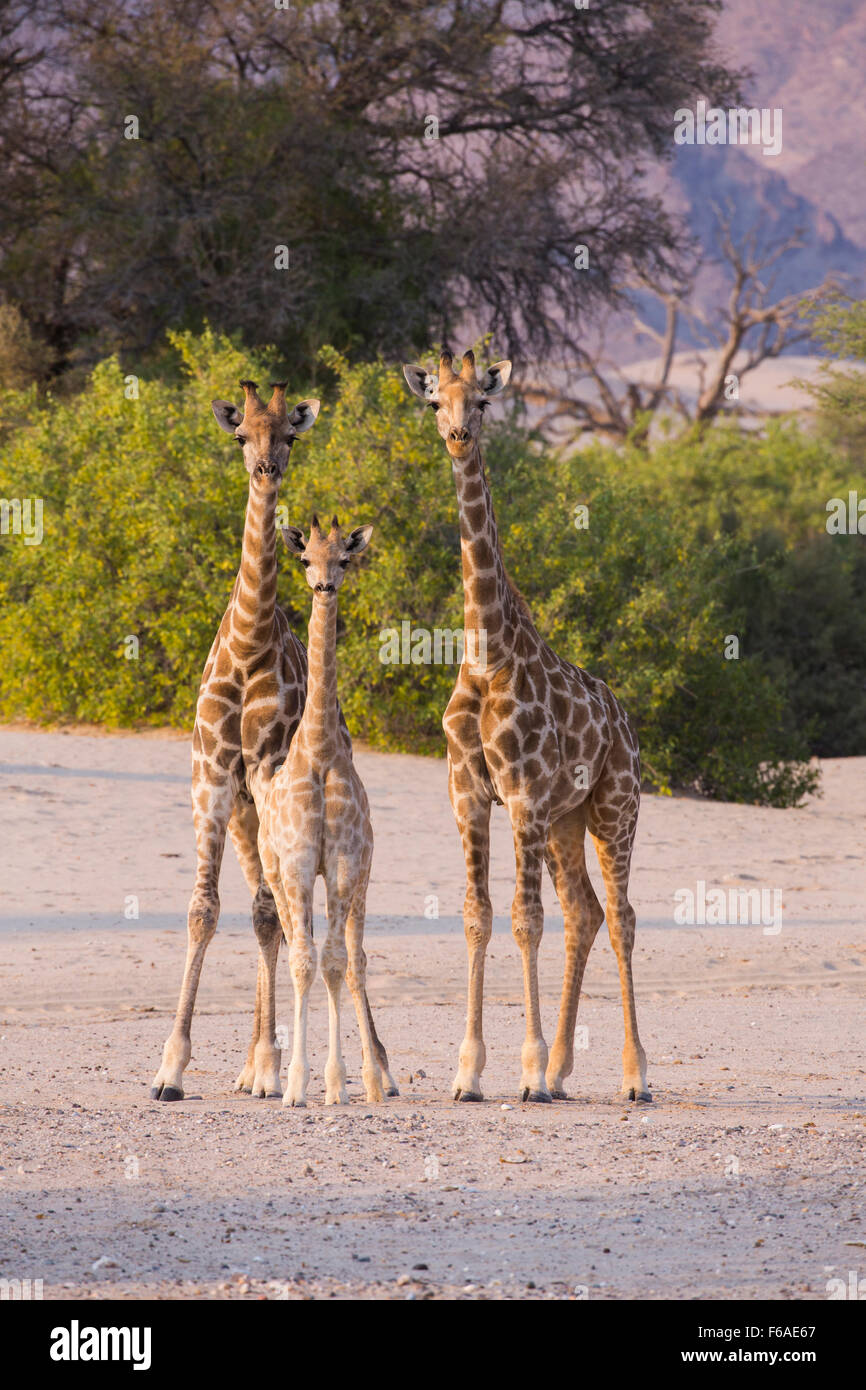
<point x="255" y="593"/>
<point x="319" y="727"/>
<point x="489" y="608"/>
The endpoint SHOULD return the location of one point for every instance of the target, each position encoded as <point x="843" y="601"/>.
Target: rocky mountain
<point x="808" y="61"/>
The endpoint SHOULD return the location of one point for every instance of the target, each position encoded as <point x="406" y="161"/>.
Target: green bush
<point x="686" y="545"/>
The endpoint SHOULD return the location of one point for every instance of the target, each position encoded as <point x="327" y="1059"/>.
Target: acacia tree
<point x="426" y="164"/>
<point x="730" y="339"/>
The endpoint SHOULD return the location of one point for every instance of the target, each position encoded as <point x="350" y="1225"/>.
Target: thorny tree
<point x="425" y="163"/>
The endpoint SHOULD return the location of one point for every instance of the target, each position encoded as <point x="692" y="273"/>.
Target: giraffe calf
<point x="316" y="821"/>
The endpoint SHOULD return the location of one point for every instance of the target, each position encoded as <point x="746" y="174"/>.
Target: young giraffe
<point x="316" y="821"/>
<point x="549" y="741"/>
<point x="249" y="705"/>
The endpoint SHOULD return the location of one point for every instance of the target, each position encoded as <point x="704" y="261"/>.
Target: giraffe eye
<point x="344" y="564"/>
<point x="305" y="563"/>
<point x="240" y="439"/>
<point x="482" y="405"/>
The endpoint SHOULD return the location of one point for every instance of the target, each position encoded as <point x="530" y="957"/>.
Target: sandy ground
<point x="744" y="1177"/>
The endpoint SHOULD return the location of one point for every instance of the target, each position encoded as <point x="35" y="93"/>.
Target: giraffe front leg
<point x="247" y="1074"/>
<point x="202" y="918"/>
<point x="377" y="1079"/>
<point x="473" y="822"/>
<point x="266" y="1053"/>
<point x="334" y="963"/>
<point x="582" y="917"/>
<point x="302" y="962"/>
<point x="527" y="925"/>
<point x="260" y="1073"/>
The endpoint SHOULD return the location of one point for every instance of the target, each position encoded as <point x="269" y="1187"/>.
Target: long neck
<point x="318" y="730"/>
<point x="255" y="592"/>
<point x="489" y="606"/>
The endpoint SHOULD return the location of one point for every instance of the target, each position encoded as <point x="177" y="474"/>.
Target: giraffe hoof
<point x="639" y="1095"/>
<point x="273" y="1095"/>
<point x="167" y="1093"/>
<point x="392" y="1091"/>
<point x="558" y="1095"/>
<point x="468" y="1095"/>
<point x="542" y="1097"/>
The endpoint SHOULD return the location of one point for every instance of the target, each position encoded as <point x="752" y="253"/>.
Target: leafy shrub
<point x="686" y="545"/>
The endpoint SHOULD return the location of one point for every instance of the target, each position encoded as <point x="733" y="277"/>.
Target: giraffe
<point x="249" y="704"/>
<point x="529" y="730"/>
<point x="316" y="821"/>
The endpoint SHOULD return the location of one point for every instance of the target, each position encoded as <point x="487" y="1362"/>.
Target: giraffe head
<point x="459" y="400"/>
<point x="326" y="557"/>
<point x="265" y="432"/>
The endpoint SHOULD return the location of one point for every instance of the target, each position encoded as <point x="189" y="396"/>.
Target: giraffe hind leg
<point x="582" y="916"/>
<point x="612" y="820"/>
<point x="378" y="1081"/>
<point x="391" y="1088"/>
<point x="260" y="1075"/>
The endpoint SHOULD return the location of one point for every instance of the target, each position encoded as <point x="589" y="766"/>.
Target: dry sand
<point x="745" y="1177"/>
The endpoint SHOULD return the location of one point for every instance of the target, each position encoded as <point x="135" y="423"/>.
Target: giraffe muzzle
<point x="458" y="436"/>
<point x="324" y="589"/>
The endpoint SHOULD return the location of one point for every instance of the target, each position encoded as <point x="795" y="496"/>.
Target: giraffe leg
<point x="210" y="837"/>
<point x="261" y="1072"/>
<point x="612" y="832"/>
<point x="298" y="886"/>
<point x="247" y="1074"/>
<point x="527" y="925"/>
<point x="375" y="1076"/>
<point x="334" y="960"/>
<point x="583" y="915"/>
<point x="391" y="1088"/>
<point x="473" y="822"/>
<point x="357" y="971"/>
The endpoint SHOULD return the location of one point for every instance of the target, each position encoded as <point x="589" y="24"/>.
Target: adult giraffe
<point x="550" y="742"/>
<point x="249" y="705"/>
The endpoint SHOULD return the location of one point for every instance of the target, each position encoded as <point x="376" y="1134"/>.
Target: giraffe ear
<point x="358" y="540"/>
<point x="496" y="378"/>
<point x="228" y="417"/>
<point x="294" y="539"/>
<point x="421" y="383"/>
<point x="303" y="417"/>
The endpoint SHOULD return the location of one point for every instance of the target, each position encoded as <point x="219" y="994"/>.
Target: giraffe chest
<point x="317" y="810"/>
<point x="529" y="732"/>
<point x="248" y="711"/>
